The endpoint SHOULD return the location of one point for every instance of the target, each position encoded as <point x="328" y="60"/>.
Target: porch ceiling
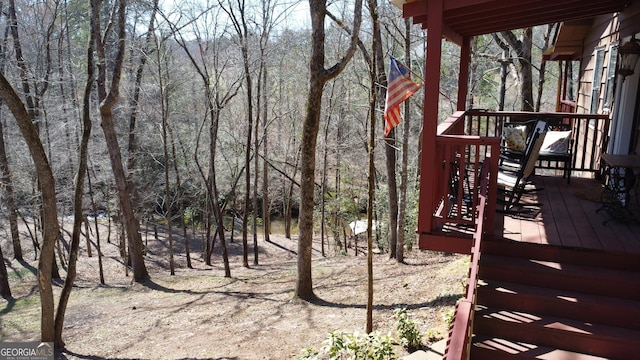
<point x="462" y="18"/>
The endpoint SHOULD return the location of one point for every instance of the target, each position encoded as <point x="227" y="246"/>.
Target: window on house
<point x="597" y="81"/>
<point x="611" y="77"/>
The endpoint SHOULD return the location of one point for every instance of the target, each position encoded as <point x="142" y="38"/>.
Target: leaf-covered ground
<point x="200" y="314"/>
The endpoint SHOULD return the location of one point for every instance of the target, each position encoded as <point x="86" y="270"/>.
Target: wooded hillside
<point x="189" y="116"/>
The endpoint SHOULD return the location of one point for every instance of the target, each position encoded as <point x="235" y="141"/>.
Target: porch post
<point x="430" y="117"/>
<point x="463" y="79"/>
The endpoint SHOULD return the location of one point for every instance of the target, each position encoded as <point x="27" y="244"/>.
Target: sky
<point x="297" y="16"/>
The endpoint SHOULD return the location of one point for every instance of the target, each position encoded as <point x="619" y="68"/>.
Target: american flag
<point x="399" y="89"/>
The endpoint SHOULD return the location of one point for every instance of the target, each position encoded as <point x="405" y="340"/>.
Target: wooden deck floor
<point x="568" y="217"/>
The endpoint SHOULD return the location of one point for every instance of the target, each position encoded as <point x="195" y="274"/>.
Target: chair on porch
<point x="514" y="173"/>
<point x="516" y="137"/>
<point x="557" y="148"/>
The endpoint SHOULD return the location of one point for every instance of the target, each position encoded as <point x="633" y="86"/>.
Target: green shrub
<point x="410" y="336"/>
<point x="433" y="335"/>
<point x="353" y="346"/>
<point x="449" y="316"/>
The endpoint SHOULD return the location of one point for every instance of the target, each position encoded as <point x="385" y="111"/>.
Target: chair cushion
<point x="515" y="137"/>
<point x="556" y="142"/>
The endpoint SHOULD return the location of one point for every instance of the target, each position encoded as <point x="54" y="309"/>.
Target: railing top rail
<point x="450" y="123"/>
<point x="535" y="114"/>
<point x="467" y="139"/>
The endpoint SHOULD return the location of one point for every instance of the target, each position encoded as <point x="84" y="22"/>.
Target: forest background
<point x="203" y="107"/>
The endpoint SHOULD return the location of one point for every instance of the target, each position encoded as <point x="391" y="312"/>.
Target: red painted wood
<point x="489" y="348"/>
<point x="447" y="244"/>
<point x="557" y="332"/>
<point x="475" y="17"/>
<point x="457" y="346"/>
<point x="550" y="274"/>
<point x="430" y="117"/>
<point x="560" y="303"/>
<point x="559" y="254"/>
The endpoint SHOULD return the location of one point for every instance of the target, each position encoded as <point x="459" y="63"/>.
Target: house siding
<point x="605" y="36"/>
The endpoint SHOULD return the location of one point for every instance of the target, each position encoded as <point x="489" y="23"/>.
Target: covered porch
<point x="470" y="140"/>
<point x="561" y="281"/>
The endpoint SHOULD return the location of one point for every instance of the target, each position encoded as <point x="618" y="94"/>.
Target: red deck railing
<point x="460" y="159"/>
<point x="463" y="142"/>
<point x="465" y="190"/>
<point x="590" y="132"/>
<point x="458" y="343"/>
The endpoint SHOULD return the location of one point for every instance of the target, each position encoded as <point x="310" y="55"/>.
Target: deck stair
<point x="544" y="302"/>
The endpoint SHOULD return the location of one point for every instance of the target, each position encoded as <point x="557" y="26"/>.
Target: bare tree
<point x="404" y="176"/>
<point x="318" y="77"/>
<point x="134" y="101"/>
<point x="5" y="289"/>
<point x="94" y="209"/>
<point x="78" y="216"/>
<point x="108" y="95"/>
<point x="238" y="17"/>
<point x="49" y="205"/>
<point x="522" y="49"/>
<point x="548" y="37"/>
<point x="5" y="172"/>
<point x="216" y="99"/>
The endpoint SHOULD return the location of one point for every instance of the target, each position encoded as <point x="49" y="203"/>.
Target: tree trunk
<point x="5" y="289"/>
<point x="404" y="175"/>
<point x="108" y="99"/>
<point x="318" y="78"/>
<point x="543" y="66"/>
<point x="132" y="147"/>
<point x="94" y="208"/>
<point x="5" y="175"/>
<point x="5" y="172"/>
<point x="247" y="157"/>
<point x="129" y="219"/>
<point x="78" y="217"/>
<point x="504" y="71"/>
<point x="374" y="76"/>
<point x="325" y="170"/>
<point x="49" y="205"/>
<point x="522" y="49"/>
<point x="266" y="205"/>
<point x="371" y="189"/>
<point x="164" y="108"/>
<point x="526" y="68"/>
<point x="183" y="223"/>
<point x="304" y="284"/>
<point x="288" y="198"/>
<point x="390" y="152"/>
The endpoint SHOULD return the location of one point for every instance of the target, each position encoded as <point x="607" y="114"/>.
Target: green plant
<point x="190" y="216"/>
<point x="448" y="316"/>
<point x="309" y="354"/>
<point x="410" y="336"/>
<point x="353" y="346"/>
<point x="433" y="335"/>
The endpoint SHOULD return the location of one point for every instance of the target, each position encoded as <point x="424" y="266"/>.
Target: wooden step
<point x="587" y="279"/>
<point x="493" y="348"/>
<point x="561" y="303"/>
<point x="564" y="255"/>
<point x="556" y="332"/>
